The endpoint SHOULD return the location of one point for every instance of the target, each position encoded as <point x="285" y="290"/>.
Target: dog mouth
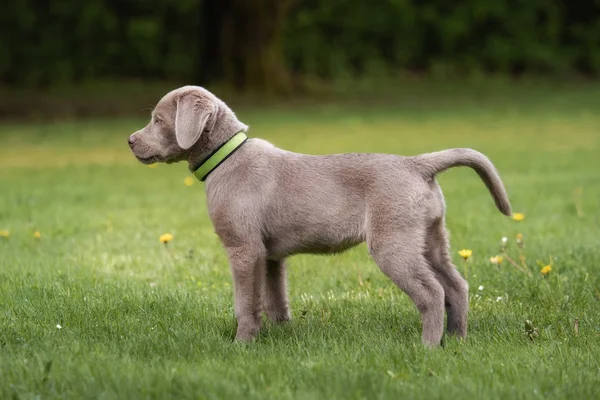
<point x="147" y="160"/>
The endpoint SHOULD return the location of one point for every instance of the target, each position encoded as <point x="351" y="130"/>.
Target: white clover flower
<point x="58" y="326"/>
<point x="480" y="288"/>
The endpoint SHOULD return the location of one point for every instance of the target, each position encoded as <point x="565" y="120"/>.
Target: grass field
<point x="97" y="307"/>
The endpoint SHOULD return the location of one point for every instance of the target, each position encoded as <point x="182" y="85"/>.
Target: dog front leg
<point x="248" y="269"/>
<point x="276" y="300"/>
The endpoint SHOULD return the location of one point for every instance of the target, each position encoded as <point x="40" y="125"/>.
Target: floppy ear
<point x="192" y="118"/>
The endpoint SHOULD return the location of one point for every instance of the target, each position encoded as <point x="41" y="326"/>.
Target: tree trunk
<point x="247" y="51"/>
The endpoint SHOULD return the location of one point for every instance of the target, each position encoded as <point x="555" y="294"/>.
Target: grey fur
<point x="267" y="204"/>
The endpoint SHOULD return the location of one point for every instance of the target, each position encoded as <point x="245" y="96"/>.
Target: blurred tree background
<point x="273" y="45"/>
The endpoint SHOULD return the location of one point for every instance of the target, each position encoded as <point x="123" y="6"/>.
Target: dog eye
<point x="157" y="120"/>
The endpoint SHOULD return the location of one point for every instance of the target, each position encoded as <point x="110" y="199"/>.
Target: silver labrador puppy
<point x="267" y="204"/>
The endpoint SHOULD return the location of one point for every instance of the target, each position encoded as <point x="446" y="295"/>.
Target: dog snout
<point x="131" y="140"/>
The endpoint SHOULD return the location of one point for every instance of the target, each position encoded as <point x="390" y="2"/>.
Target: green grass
<point x="139" y="320"/>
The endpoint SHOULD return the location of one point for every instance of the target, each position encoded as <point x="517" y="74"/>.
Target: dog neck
<point x="219" y="137"/>
<point x="219" y="155"/>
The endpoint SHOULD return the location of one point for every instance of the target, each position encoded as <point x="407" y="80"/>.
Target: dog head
<point x="177" y="123"/>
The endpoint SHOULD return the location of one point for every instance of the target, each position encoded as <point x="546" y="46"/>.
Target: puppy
<point x="267" y="204"/>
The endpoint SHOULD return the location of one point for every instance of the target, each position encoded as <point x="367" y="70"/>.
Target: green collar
<point x="215" y="158"/>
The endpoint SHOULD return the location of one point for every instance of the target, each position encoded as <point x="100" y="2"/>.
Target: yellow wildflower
<point x="546" y="270"/>
<point x="496" y="260"/>
<point x="465" y="253"/>
<point x="188" y="181"/>
<point x="166" y="238"/>
<point x="152" y="165"/>
<point x="518" y="216"/>
<point x="520" y="240"/>
<point x="37" y="235"/>
<point x="4" y="233"/>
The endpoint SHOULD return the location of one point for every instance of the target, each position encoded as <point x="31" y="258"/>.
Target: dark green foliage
<point x="47" y="42"/>
<point x="537" y="36"/>
<point x="60" y="41"/>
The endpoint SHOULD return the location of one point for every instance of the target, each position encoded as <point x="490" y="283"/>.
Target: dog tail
<point x="433" y="163"/>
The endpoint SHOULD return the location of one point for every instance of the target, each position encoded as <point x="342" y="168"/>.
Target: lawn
<point x="97" y="307"/>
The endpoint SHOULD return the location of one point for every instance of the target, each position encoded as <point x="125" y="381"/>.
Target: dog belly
<point x="298" y="241"/>
<point x="322" y="218"/>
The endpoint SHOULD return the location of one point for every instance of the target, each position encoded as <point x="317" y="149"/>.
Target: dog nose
<point x="131" y="140"/>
